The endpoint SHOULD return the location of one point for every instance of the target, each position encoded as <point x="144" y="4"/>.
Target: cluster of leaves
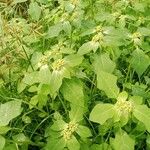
<point x="74" y="74"/>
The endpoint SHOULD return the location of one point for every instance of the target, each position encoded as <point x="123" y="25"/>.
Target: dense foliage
<point x="74" y="75"/>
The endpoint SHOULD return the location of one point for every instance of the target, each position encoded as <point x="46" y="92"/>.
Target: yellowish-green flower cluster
<point x="68" y="130"/>
<point x="124" y="107"/>
<point x="58" y="64"/>
<point x="136" y="37"/>
<point x="43" y="61"/>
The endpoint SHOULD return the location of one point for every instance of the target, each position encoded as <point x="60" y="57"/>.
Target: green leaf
<point x="4" y="129"/>
<point x="101" y="113"/>
<point x="9" y="111"/>
<point x="140" y="61"/>
<point x="55" y="82"/>
<point x="44" y="75"/>
<point x="142" y="113"/>
<point x="87" y="47"/>
<point x="123" y="141"/>
<point x="73" y="144"/>
<point x="107" y="83"/>
<point x="55" y="144"/>
<point x="73" y="60"/>
<point x="21" y="138"/>
<point x="83" y="131"/>
<point x="72" y="90"/>
<point x="67" y="27"/>
<point x="2" y="142"/>
<point x="103" y="63"/>
<point x="34" y="11"/>
<point x="54" y="30"/>
<point x="76" y="113"/>
<point x="103" y="146"/>
<point x="33" y="101"/>
<point x="31" y="78"/>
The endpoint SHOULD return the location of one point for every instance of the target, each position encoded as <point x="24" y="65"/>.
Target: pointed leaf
<point x="103" y="63"/>
<point x="9" y="111"/>
<point x="72" y="90"/>
<point x="55" y="82"/>
<point x="54" y="30"/>
<point x="73" y="144"/>
<point x="34" y="11"/>
<point x="87" y="47"/>
<point x="55" y="144"/>
<point x="103" y="146"/>
<point x="142" y="113"/>
<point x="83" y="131"/>
<point x="107" y="83"/>
<point x="73" y="60"/>
<point x="101" y="113"/>
<point x="140" y="61"/>
<point x="123" y="141"/>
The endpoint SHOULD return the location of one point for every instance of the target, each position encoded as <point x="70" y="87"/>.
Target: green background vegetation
<point x="74" y="75"/>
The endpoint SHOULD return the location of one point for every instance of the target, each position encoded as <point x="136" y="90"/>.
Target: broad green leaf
<point x="68" y="6"/>
<point x="101" y="113"/>
<point x="31" y="78"/>
<point x="76" y="113"/>
<point x="123" y="141"/>
<point x="44" y="75"/>
<point x="21" y="86"/>
<point x="9" y="111"/>
<point x="72" y="90"/>
<point x="73" y="60"/>
<point x="103" y="63"/>
<point x="34" y="11"/>
<point x="142" y="113"/>
<point x="54" y="30"/>
<point x="56" y="81"/>
<point x="21" y="138"/>
<point x="103" y="146"/>
<point x="87" y="47"/>
<point x="4" y="129"/>
<point x="137" y="100"/>
<point x="67" y="27"/>
<point x="58" y="125"/>
<point x="121" y="118"/>
<point x="33" y="101"/>
<point x="42" y="100"/>
<point x="2" y="142"/>
<point x="73" y="144"/>
<point x="83" y="131"/>
<point x="140" y="61"/>
<point x="55" y="144"/>
<point x="107" y="83"/>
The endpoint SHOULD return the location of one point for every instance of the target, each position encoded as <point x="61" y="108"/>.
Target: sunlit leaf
<point x="142" y="113"/>
<point x="103" y="63"/>
<point x="9" y="111"/>
<point x="107" y="83"/>
<point x="123" y="141"/>
<point x="34" y="11"/>
<point x="140" y="61"/>
<point x="102" y="112"/>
